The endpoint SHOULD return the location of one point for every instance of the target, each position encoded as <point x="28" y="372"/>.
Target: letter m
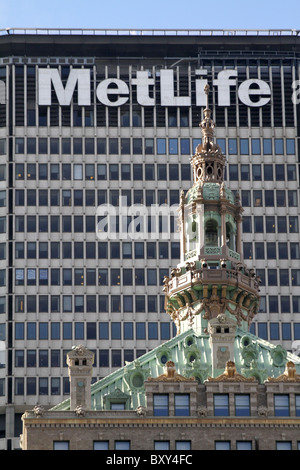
<point x="79" y="77"/>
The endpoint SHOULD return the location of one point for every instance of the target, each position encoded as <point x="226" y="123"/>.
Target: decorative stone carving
<point x="80" y="411"/>
<point x="262" y="411"/>
<point x="136" y="375"/>
<point x="38" y="410"/>
<point x="278" y="356"/>
<point x="170" y="375"/>
<point x="289" y="375"/>
<point x="202" y="412"/>
<point x="141" y="411"/>
<point x="231" y="375"/>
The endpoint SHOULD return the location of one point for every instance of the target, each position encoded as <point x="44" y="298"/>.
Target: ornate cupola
<point x="211" y="278"/>
<point x="208" y="163"/>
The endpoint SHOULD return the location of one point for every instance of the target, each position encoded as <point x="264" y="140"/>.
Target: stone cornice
<point x="168" y="421"/>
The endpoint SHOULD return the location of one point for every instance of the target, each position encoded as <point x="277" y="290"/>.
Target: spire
<point x="208" y="162"/>
<point x="211" y="278"/>
<point x="207" y="124"/>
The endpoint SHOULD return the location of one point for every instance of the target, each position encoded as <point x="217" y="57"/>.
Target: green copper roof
<point x="191" y="353"/>
<point x="210" y="191"/>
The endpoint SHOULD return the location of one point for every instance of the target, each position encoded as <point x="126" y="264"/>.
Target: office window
<point x="116" y="358"/>
<point x="292" y="198"/>
<point x="259" y="250"/>
<point x="244" y="146"/>
<point x="257" y="198"/>
<point x="31" y="386"/>
<point x="152" y="330"/>
<point x="278" y="143"/>
<point x="293" y="224"/>
<point x="222" y="445"/>
<point x="285" y="304"/>
<point x="291" y="173"/>
<point x="140" y="330"/>
<point x="280" y="198"/>
<point x="274" y="331"/>
<point x="182" y="404"/>
<point x="161" y="445"/>
<point x="271" y="250"/>
<point x="221" y="405"/>
<point x="284" y="445"/>
<point x="245" y="172"/>
<point x="273" y="304"/>
<point x="272" y="277"/>
<point x="268" y="172"/>
<point x="281" y="405"/>
<point x="262" y="275"/>
<point x="286" y="331"/>
<point x="295" y="275"/>
<point x="297" y="404"/>
<point x="262" y="330"/>
<point x="122" y="445"/>
<point x="284" y="277"/>
<point x="255" y="146"/>
<point x="103" y="358"/>
<point x="269" y="197"/>
<point x="290" y="146"/>
<point x="248" y="250"/>
<point x="161" y="405"/>
<point x="246" y="198"/>
<point x="140" y="303"/>
<point x="258" y="224"/>
<point x="115" y="330"/>
<point x="101" y="445"/>
<point x="61" y="445"/>
<point x="128" y="303"/>
<point x="233" y="172"/>
<point x="243" y="445"/>
<point x="256" y="172"/>
<point x="282" y="250"/>
<point x="19" y="358"/>
<point x="183" y="445"/>
<point x="294" y="250"/>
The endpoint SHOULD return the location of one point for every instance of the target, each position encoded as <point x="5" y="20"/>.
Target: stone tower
<point x="80" y="366"/>
<point x="211" y="290"/>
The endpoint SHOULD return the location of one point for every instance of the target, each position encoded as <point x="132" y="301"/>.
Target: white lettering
<point x="223" y="83"/>
<point x="296" y="92"/>
<point x="245" y="91"/>
<point x="200" y="84"/>
<point x="167" y="97"/>
<point x="142" y="81"/>
<point x="64" y="95"/>
<point x="115" y="92"/>
<point x="103" y="91"/>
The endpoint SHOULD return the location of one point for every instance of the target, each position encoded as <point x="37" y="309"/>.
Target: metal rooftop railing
<point x="151" y="32"/>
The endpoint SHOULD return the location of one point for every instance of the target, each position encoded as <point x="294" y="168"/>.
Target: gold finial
<point x="206" y="91"/>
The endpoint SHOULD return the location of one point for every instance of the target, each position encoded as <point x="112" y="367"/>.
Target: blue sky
<point x="154" y="14"/>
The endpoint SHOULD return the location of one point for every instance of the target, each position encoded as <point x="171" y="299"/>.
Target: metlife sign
<point x="116" y="92"/>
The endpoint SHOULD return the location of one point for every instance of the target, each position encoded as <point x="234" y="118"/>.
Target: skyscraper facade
<point x="104" y="122"/>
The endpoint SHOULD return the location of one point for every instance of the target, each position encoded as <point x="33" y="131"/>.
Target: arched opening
<point x="211" y="233"/>
<point x="230" y="239"/>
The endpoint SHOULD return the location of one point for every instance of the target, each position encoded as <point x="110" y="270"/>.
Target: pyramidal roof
<point x="191" y="353"/>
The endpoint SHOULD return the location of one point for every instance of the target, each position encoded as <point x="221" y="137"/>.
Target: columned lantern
<point x="211" y="278"/>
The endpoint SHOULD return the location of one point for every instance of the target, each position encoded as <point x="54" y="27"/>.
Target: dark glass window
<point x="161" y="405"/>
<point x="221" y="405"/>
